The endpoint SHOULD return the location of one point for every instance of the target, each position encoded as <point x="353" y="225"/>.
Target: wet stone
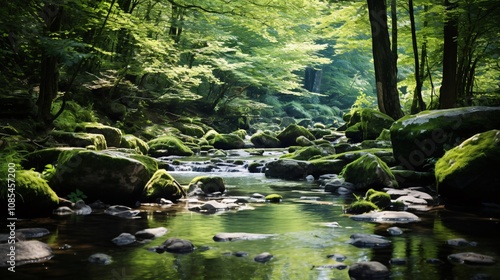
<point x="368" y="270"/>
<point x="32" y="251"/>
<point x="394" y="231"/>
<point x="177" y="245"/>
<point x="124" y="239"/>
<point x="387" y="217"/>
<point x="30" y="233"/>
<point x="234" y="236"/>
<point x="100" y="258"/>
<point x="472" y="258"/>
<point x="337" y="257"/>
<point x="369" y="241"/>
<point x="460" y="242"/>
<point x="151" y="233"/>
<point x="263" y="257"/>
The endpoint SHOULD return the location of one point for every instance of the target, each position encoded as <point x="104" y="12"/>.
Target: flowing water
<point x="304" y="236"/>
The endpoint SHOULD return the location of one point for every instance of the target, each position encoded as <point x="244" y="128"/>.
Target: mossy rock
<point x="255" y="167"/>
<point x="369" y="171"/>
<point x="38" y="159"/>
<point x="367" y="124"/>
<point x="34" y="197"/>
<point x="288" y="137"/>
<point x="227" y="142"/>
<point x="210" y="134"/>
<point x="361" y="206"/>
<point x="385" y="135"/>
<point x="264" y="140"/>
<point x="190" y="129"/>
<point x="109" y="176"/>
<point x="162" y="185"/>
<point x="274" y="198"/>
<point x="384" y="154"/>
<point x="320" y="166"/>
<point x="303" y="153"/>
<point x="428" y="134"/>
<point x="469" y="173"/>
<point x="157" y="130"/>
<point x="112" y="135"/>
<point x="80" y="139"/>
<point x="303" y="141"/>
<point x="379" y="198"/>
<point x="208" y="184"/>
<point x="130" y="141"/>
<point x="240" y="133"/>
<point x="168" y="146"/>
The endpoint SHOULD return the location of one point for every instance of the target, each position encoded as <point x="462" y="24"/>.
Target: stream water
<point x="305" y="236"/>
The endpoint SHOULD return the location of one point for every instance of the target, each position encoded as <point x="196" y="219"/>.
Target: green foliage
<point x="76" y="195"/>
<point x="48" y="172"/>
<point x="10" y="159"/>
<point x="363" y="101"/>
<point x="73" y="114"/>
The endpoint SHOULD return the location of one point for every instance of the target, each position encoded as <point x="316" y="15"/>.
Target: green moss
<point x="208" y="184"/>
<point x="132" y="142"/>
<point x="385" y="135"/>
<point x="80" y="139"/>
<point x="161" y="185"/>
<point x="288" y="137"/>
<point x="34" y="197"/>
<point x="274" y="198"/>
<point x="72" y="115"/>
<point x="381" y="199"/>
<point x="227" y="142"/>
<point x="303" y="153"/>
<point x="369" y="171"/>
<point x="170" y="145"/>
<point x="240" y="133"/>
<point x="261" y="139"/>
<point x="111" y="134"/>
<point x="210" y="134"/>
<point x="361" y="206"/>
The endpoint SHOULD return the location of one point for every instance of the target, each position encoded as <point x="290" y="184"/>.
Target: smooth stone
<point x="240" y="254"/>
<point x="100" y="258"/>
<point x="234" y="236"/>
<point x="394" y="231"/>
<point x="32" y="251"/>
<point x="368" y="270"/>
<point x="80" y="208"/>
<point x="460" y="242"/>
<point x="396" y="193"/>
<point x="387" y="217"/>
<point x="122" y="211"/>
<point x="63" y="211"/>
<point x="210" y="206"/>
<point x="29" y="233"/>
<point x="337" y="257"/>
<point x="407" y="199"/>
<point x="339" y="266"/>
<point x="369" y="241"/>
<point x="177" y="245"/>
<point x="124" y="239"/>
<point x="151" y="233"/>
<point x="263" y="257"/>
<point x="472" y="258"/>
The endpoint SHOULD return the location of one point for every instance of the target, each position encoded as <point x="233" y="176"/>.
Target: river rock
<point x="460" y="242"/>
<point x="367" y="172"/>
<point x="121" y="211"/>
<point x="168" y="146"/>
<point x="162" y="185"/>
<point x="100" y="258"/>
<point x="469" y="173"/>
<point x="234" y="236"/>
<point x="305" y="153"/>
<point x="472" y="258"/>
<point x="428" y="134"/>
<point x="112" y="135"/>
<point x="130" y="141"/>
<point x="287" y="169"/>
<point x="207" y="184"/>
<point x="34" y="197"/>
<point x="30" y="233"/>
<point x="368" y="270"/>
<point x="80" y="139"/>
<point x="361" y="240"/>
<point x="227" y="142"/>
<point x="288" y="137"/>
<point x="211" y="206"/>
<point x="262" y="139"/>
<point x="80" y="208"/>
<point x="112" y="177"/>
<point x="387" y="217"/>
<point x="337" y="257"/>
<point x="32" y="251"/>
<point x="124" y="239"/>
<point x="367" y="124"/>
<point x="419" y="195"/>
<point x="177" y="245"/>
<point x="263" y="257"/>
<point x="151" y="233"/>
<point x="394" y="231"/>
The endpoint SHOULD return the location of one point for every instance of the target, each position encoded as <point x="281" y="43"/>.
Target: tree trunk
<point x="49" y="69"/>
<point x="418" y="102"/>
<point x="448" y="91"/>
<point x="394" y="18"/>
<point x="383" y="60"/>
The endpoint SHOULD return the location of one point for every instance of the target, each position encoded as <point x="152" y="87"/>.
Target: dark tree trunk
<point x="394" y="17"/>
<point x="312" y="80"/>
<point x="383" y="60"/>
<point x="418" y="102"/>
<point x="49" y="69"/>
<point x="448" y="91"/>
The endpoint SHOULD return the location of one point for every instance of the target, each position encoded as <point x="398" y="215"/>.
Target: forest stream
<point x="307" y="234"/>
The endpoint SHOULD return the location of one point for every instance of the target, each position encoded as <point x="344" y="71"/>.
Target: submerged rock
<point x="177" y="245"/>
<point x="30" y="233"/>
<point x="151" y="233"/>
<point x="263" y="257"/>
<point x="368" y="270"/>
<point x="100" y="258"/>
<point x="121" y="211"/>
<point x="32" y="251"/>
<point x="361" y="240"/>
<point x="124" y="239"/>
<point x="387" y="217"/>
<point x="234" y="236"/>
<point x="469" y="173"/>
<point x="472" y="258"/>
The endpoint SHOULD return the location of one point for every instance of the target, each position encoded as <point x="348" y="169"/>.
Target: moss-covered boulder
<point x="305" y="153"/>
<point x="207" y="184"/>
<point x="190" y="129"/>
<point x="428" y="134"/>
<point x="262" y="139"/>
<point x="367" y="124"/>
<point x="112" y="177"/>
<point x="288" y="137"/>
<point x="112" y="135"/>
<point x="38" y="159"/>
<point x="130" y="141"/>
<point x="33" y="196"/>
<point x="322" y="166"/>
<point x="287" y="169"/>
<point x="168" y="146"/>
<point x="241" y="133"/>
<point x="369" y="171"/>
<point x="469" y="173"/>
<point x="80" y="139"/>
<point x="162" y="185"/>
<point x="227" y="142"/>
<point x="379" y="198"/>
<point x="361" y="206"/>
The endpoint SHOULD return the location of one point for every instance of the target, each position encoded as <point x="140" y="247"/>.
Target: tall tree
<point x="448" y="91"/>
<point x="418" y="102"/>
<point x="383" y="60"/>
